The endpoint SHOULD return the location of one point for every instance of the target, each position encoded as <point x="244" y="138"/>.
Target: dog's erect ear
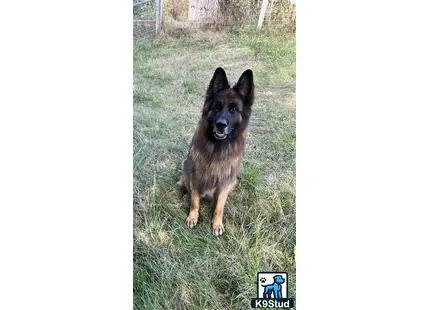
<point x="219" y="81"/>
<point x="245" y="85"/>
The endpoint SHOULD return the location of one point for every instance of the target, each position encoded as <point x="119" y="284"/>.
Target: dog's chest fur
<point x="212" y="168"/>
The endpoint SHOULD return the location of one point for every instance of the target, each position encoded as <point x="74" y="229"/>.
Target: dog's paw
<point x="218" y="228"/>
<point x="191" y="221"/>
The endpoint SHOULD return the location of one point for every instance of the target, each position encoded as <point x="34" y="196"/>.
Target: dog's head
<point x="278" y="279"/>
<point x="227" y="109"/>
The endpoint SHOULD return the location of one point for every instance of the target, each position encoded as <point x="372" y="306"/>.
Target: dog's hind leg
<point x="182" y="187"/>
<point x="182" y="183"/>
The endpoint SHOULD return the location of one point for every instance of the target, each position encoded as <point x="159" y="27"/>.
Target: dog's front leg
<point x="217" y="225"/>
<point x="193" y="217"/>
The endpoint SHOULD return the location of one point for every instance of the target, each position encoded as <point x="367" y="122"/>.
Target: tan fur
<point x="217" y="225"/>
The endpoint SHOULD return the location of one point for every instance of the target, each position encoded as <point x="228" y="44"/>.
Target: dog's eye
<point x="232" y="110"/>
<point x="218" y="106"/>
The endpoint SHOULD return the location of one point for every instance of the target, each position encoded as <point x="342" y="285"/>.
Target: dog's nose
<point x="221" y="124"/>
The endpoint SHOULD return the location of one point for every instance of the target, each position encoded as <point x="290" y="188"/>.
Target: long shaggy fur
<point x="213" y="164"/>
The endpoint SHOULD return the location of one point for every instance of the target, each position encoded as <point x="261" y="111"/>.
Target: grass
<point x="179" y="268"/>
<point x="145" y="12"/>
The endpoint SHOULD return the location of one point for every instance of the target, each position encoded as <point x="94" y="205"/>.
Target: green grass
<point x="179" y="268"/>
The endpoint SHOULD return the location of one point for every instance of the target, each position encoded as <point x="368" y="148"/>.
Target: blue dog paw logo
<point x="272" y="285"/>
<point x="274" y="290"/>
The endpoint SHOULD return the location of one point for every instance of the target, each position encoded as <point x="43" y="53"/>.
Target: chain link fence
<point x="154" y="16"/>
<point x="144" y="21"/>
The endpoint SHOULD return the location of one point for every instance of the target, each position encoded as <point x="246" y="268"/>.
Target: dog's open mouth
<point x="220" y="135"/>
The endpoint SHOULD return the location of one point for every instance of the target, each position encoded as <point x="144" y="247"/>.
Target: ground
<point x="179" y="268"/>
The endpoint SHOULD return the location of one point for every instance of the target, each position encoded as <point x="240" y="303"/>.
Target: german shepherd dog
<point x="216" y="151"/>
